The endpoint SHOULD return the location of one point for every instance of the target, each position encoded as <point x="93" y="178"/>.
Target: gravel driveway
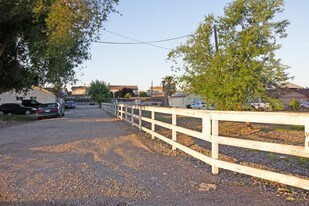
<point x="91" y="158"/>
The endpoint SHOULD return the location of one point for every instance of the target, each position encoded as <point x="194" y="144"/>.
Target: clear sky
<point x="147" y="20"/>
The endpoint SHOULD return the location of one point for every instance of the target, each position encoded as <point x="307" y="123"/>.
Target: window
<point x="19" y="98"/>
<point x="33" y="98"/>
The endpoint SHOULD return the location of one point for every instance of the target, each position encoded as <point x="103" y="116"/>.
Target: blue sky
<point x="147" y="20"/>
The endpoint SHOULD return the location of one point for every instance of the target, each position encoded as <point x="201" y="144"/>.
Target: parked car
<point x="30" y="103"/>
<point x="92" y="103"/>
<point x="69" y="105"/>
<point x="51" y="110"/>
<point x="304" y="105"/>
<point x="260" y="106"/>
<point x="198" y="105"/>
<point x="15" y="108"/>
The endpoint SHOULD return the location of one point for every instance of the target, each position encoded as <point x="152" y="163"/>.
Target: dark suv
<point x="30" y="103"/>
<point x="14" y="108"/>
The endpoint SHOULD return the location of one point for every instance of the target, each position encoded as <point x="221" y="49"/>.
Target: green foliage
<point x="294" y="104"/>
<point x="99" y="91"/>
<point x="169" y="88"/>
<point x="44" y="41"/>
<point x="245" y="66"/>
<point x="142" y="94"/>
<point x="128" y="95"/>
<point x="276" y="105"/>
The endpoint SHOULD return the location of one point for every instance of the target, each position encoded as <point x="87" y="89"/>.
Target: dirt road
<point x="91" y="158"/>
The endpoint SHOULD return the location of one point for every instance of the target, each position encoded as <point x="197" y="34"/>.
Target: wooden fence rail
<point x="210" y="133"/>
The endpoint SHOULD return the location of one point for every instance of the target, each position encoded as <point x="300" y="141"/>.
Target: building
<point x="292" y="91"/>
<point x="156" y="91"/>
<point x="36" y="93"/>
<point x="79" y="94"/>
<point x="182" y="99"/>
<point x="119" y="91"/>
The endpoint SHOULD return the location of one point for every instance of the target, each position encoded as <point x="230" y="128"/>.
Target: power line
<point x="140" y="42"/>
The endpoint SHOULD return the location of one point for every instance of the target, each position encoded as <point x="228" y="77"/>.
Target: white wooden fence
<point x="210" y="119"/>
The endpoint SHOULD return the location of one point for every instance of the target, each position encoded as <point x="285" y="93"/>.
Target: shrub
<point x="294" y="104"/>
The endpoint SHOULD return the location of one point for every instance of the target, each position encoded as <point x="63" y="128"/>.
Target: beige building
<point x="36" y="93"/>
<point x="156" y="91"/>
<point x="181" y="99"/>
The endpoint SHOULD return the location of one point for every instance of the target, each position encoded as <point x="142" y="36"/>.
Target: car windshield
<point x="69" y="102"/>
<point x="49" y="105"/>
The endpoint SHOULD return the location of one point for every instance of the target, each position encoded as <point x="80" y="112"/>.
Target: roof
<point x="42" y="89"/>
<point x="121" y="87"/>
<point x="284" y="91"/>
<point x="180" y="94"/>
<point x="304" y="91"/>
<point x="293" y="86"/>
<point x="79" y="87"/>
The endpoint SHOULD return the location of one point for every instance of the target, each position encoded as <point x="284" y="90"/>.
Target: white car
<point x="198" y="105"/>
<point x="304" y="105"/>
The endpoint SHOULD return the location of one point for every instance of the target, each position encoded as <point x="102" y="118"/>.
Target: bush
<point x="128" y="95"/>
<point x="294" y="104"/>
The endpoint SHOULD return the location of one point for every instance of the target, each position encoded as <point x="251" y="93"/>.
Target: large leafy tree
<point x="99" y="91"/>
<point x="44" y="41"/>
<point x="243" y="66"/>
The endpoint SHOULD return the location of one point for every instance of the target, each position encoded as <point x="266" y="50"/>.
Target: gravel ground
<point x="91" y="158"/>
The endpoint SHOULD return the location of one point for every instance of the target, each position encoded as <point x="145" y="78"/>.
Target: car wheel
<point x="27" y="112"/>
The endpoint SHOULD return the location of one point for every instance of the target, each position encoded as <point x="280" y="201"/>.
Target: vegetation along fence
<point x="210" y="132"/>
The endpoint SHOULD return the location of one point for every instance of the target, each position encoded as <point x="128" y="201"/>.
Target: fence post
<point x="174" y="133"/>
<point x="307" y="135"/>
<point x="117" y="111"/>
<point x="132" y="115"/>
<point x="214" y="144"/>
<point x="126" y="113"/>
<point x="120" y="111"/>
<point x="206" y="128"/>
<point x="140" y="118"/>
<point x="153" y="126"/>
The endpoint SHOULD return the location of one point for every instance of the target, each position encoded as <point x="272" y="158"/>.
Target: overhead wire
<point x="150" y="43"/>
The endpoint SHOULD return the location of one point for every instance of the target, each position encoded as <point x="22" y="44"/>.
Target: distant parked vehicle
<point x="92" y="103"/>
<point x="69" y="105"/>
<point x="198" y="105"/>
<point x="304" y="105"/>
<point x="51" y="110"/>
<point x="260" y="106"/>
<point x="15" y="108"/>
<point x="30" y="103"/>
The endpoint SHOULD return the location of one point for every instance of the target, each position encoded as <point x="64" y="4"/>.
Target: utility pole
<point x="151" y="90"/>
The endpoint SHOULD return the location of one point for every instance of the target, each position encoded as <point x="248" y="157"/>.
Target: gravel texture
<point x="91" y="158"/>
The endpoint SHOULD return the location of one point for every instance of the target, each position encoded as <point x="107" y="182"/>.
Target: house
<point x="119" y="91"/>
<point x="79" y="90"/>
<point x="79" y="94"/>
<point x="36" y="93"/>
<point x="182" y="99"/>
<point x="287" y="94"/>
<point x="156" y="91"/>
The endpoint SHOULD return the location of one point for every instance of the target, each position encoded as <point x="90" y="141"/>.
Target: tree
<point x="99" y="91"/>
<point x="142" y="94"/>
<point x="244" y="66"/>
<point x="128" y="95"/>
<point x="169" y="88"/>
<point x="294" y="104"/>
<point x="44" y="41"/>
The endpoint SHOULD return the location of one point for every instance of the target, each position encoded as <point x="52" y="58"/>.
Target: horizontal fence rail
<point x="210" y="133"/>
